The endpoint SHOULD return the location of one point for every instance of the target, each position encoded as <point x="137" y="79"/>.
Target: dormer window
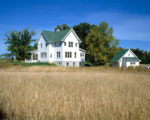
<point x="128" y="54"/>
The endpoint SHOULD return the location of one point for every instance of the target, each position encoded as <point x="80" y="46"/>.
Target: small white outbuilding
<point x="125" y="58"/>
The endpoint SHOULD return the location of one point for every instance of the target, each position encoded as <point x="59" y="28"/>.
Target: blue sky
<point x="129" y="18"/>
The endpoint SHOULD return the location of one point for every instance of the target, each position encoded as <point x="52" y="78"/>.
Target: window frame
<point x="81" y="54"/>
<point x="132" y="63"/>
<point x="41" y="45"/>
<point x="58" y="54"/>
<point x="76" y="44"/>
<point x="75" y="54"/>
<point x="64" y="43"/>
<point x="50" y="55"/>
<point x="70" y="44"/>
<point x="35" y="56"/>
<point x="43" y="54"/>
<point x="68" y="54"/>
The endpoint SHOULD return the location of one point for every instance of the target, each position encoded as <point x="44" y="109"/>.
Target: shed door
<point x="124" y="63"/>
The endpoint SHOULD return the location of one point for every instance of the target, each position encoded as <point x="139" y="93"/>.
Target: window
<point x="35" y="56"/>
<point x="68" y="54"/>
<point x="132" y="63"/>
<point x="58" y="54"/>
<point x="81" y="54"/>
<point x="45" y="45"/>
<point x="128" y="54"/>
<point x="58" y="44"/>
<point x="73" y="63"/>
<point x="43" y="55"/>
<point x="76" y="44"/>
<point x="70" y="44"/>
<point x="51" y="55"/>
<point x="67" y="63"/>
<point x="75" y="54"/>
<point x="80" y="64"/>
<point x="64" y="43"/>
<point x="41" y="45"/>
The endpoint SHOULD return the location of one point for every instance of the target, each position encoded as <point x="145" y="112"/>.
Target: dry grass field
<point x="88" y="93"/>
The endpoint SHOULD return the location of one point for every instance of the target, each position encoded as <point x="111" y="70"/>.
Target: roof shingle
<point x="55" y="36"/>
<point x="119" y="55"/>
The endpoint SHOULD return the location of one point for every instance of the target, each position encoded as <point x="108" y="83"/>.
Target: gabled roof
<point x="131" y="59"/>
<point x="119" y="55"/>
<point x="82" y="50"/>
<point x="55" y="36"/>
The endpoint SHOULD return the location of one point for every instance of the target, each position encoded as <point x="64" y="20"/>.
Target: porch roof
<point x="82" y="50"/>
<point x="33" y="51"/>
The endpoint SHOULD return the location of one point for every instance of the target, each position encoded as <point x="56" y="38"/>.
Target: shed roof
<point x="119" y="55"/>
<point x="131" y="59"/>
<point x="55" y="36"/>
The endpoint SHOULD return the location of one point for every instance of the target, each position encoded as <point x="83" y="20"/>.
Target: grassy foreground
<point x="22" y="63"/>
<point x="58" y="93"/>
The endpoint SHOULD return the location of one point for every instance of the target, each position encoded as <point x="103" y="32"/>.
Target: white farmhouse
<point x="61" y="47"/>
<point x="125" y="58"/>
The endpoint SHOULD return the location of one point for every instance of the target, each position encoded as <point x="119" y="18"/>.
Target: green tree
<point x="19" y="43"/>
<point x="143" y="55"/>
<point x="62" y="27"/>
<point x="82" y="31"/>
<point x="101" y="44"/>
<point x="6" y="56"/>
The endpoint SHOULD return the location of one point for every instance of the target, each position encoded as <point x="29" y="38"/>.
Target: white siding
<point x="71" y="38"/>
<point x="44" y="48"/>
<point x="53" y="49"/>
<point x="129" y="54"/>
<point x="128" y="64"/>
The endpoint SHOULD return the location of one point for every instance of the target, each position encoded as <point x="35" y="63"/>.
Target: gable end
<point x="71" y="30"/>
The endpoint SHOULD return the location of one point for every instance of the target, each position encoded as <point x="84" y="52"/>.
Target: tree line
<point x="98" y="41"/>
<point x="143" y="55"/>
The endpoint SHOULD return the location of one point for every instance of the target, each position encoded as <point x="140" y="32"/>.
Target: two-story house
<point x="61" y="47"/>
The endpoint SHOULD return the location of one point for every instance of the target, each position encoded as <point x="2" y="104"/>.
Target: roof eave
<point x="82" y="50"/>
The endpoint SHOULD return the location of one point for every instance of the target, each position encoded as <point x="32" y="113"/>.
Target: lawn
<point x="87" y="93"/>
<point x="22" y="63"/>
<point x="32" y="64"/>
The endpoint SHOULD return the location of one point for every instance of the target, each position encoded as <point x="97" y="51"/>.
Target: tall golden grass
<point x="59" y="93"/>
